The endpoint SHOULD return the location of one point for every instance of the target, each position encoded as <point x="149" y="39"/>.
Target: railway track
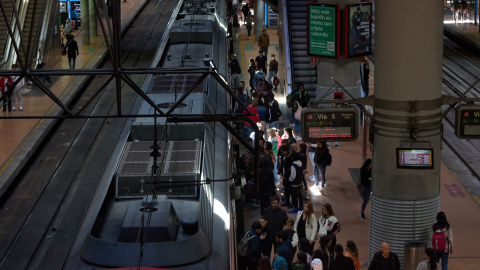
<point x="461" y="70"/>
<point x="51" y="195"/>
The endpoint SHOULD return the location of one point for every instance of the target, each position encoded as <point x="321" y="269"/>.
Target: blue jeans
<point x="320" y="170"/>
<point x="70" y="64"/>
<point x="444" y="257"/>
<point x="366" y="191"/>
<point x="312" y="156"/>
<point x="271" y="75"/>
<point x="274" y="124"/>
<point x="298" y="126"/>
<point x="265" y="51"/>
<point x="248" y="130"/>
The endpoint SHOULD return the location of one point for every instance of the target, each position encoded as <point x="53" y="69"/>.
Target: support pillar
<point x="85" y="22"/>
<point x="92" y="18"/>
<point x="408" y="93"/>
<point x="259" y="18"/>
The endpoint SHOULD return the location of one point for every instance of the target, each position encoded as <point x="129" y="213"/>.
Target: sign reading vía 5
<point x="467" y="124"/>
<point x="329" y="124"/>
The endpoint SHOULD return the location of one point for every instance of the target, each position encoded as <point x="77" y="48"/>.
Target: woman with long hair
<point x="322" y="252"/>
<point x="366" y="180"/>
<point x="265" y="264"/>
<point x="306" y="225"/>
<point x="329" y="225"/>
<point x="429" y="263"/>
<point x="352" y="252"/>
<point x="442" y="239"/>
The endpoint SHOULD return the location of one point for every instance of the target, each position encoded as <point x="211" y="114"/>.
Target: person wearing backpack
<point x="249" y="248"/>
<point x="322" y="159"/>
<point x="442" y="239"/>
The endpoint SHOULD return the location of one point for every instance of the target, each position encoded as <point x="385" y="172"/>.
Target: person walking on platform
<point x="68" y="29"/>
<point x="261" y="61"/>
<point x="251" y="71"/>
<point x="385" y="259"/>
<point x="321" y="158"/>
<point x="72" y="51"/>
<point x="5" y="85"/>
<point x="264" y="41"/>
<point x="248" y="22"/>
<point x="235" y="71"/>
<point x="17" y="92"/>
<point x="366" y="181"/>
<point x="272" y="70"/>
<point x="442" y="239"/>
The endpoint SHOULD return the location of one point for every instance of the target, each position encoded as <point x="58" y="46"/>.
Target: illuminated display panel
<point x="467" y="124"/>
<point x="415" y="158"/>
<point x="329" y="124"/>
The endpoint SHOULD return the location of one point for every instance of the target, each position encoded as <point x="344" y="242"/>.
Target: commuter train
<point x="170" y="201"/>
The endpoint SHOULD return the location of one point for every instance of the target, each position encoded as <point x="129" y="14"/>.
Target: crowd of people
<point x="293" y="243"/>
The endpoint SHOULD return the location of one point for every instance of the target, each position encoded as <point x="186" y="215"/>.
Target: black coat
<point x="273" y="112"/>
<point x="235" y="67"/>
<point x="72" y="49"/>
<point x="391" y="263"/>
<point x="341" y="263"/>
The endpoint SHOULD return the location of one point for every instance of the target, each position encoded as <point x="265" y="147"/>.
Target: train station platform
<point x="458" y="201"/>
<point x="20" y="137"/>
<point x="19" y="140"/>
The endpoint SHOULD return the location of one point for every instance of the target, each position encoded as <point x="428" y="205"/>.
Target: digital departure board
<point x="411" y="158"/>
<point x="467" y="124"/>
<point x="329" y="124"/>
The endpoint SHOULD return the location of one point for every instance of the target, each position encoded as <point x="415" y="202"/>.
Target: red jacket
<point x="254" y="118"/>
<point x="2" y="83"/>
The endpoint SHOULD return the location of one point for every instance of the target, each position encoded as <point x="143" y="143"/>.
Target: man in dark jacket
<point x="341" y="262"/>
<point x="276" y="216"/>
<point x="250" y="261"/>
<point x="384" y="259"/>
<point x="235" y="71"/>
<point x="273" y="114"/>
<point x="267" y="181"/>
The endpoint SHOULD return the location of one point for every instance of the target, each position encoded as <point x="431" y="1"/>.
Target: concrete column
<point x="92" y="18"/>
<point x="408" y="92"/>
<point x="259" y="17"/>
<point x="85" y="22"/>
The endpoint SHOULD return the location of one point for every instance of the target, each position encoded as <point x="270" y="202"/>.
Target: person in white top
<point x="17" y="92"/>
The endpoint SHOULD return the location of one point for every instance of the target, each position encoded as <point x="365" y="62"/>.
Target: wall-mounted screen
<point x="358" y="24"/>
<point x="415" y="158"/>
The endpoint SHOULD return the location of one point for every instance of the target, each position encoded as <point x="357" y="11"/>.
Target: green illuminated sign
<point x="322" y="30"/>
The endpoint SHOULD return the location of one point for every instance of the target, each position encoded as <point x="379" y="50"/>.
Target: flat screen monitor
<point x="358" y="24"/>
<point x="415" y="158"/>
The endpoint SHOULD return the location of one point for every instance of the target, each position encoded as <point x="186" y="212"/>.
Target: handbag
<point x="298" y="112"/>
<point x="275" y="81"/>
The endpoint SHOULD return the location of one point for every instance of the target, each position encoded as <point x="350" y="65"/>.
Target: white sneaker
<point x="13" y="107"/>
<point x="21" y="108"/>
